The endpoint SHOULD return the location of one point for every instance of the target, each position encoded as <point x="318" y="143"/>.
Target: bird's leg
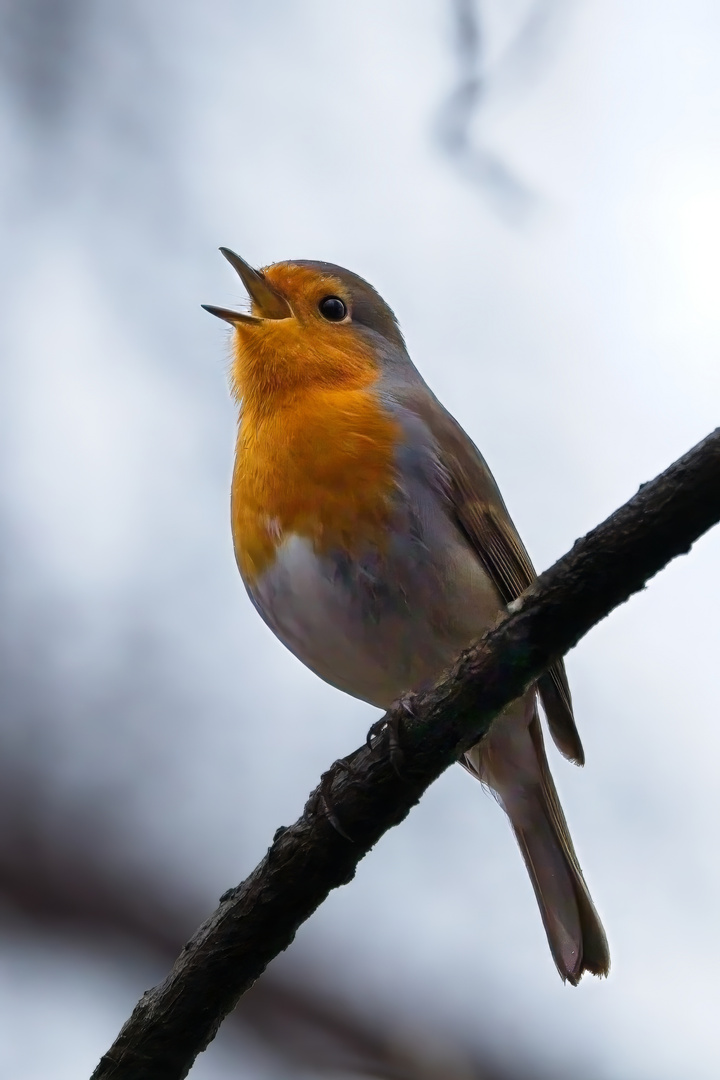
<point x="392" y="725"/>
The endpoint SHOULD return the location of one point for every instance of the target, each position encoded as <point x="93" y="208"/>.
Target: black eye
<point x="333" y="308"/>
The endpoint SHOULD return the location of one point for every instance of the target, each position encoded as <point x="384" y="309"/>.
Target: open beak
<point x="268" y="301"/>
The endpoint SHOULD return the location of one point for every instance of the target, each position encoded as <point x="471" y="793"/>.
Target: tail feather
<point x="513" y="763"/>
<point x="595" y="953"/>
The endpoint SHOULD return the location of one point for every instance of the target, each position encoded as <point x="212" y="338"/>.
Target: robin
<point x="373" y="540"/>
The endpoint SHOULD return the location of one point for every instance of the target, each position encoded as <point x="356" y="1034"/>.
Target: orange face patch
<point x="277" y="357"/>
<point x="315" y="451"/>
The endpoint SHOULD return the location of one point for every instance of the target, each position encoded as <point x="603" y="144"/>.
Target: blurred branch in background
<point x="510" y="195"/>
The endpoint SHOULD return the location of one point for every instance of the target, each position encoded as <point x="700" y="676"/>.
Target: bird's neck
<point x="319" y="466"/>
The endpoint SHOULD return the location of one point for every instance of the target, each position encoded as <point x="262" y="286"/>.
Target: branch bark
<point x="256" y="920"/>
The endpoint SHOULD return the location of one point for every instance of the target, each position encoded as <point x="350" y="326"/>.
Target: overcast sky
<point x="569" y="318"/>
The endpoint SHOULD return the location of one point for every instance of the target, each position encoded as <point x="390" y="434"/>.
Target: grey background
<point x="557" y="281"/>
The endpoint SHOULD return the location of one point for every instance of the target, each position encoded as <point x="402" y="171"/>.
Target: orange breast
<point x="319" y="465"/>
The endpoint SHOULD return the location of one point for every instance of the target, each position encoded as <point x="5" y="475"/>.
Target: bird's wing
<point x="483" y="518"/>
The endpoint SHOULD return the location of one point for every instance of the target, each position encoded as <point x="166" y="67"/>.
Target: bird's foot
<point x="392" y="726"/>
<point x="323" y="799"/>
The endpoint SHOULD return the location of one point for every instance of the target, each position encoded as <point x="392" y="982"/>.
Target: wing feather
<point x="483" y="518"/>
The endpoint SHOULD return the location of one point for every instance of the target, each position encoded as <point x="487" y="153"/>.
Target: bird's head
<point x="310" y="324"/>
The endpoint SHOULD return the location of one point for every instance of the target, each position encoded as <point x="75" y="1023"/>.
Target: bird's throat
<point x="322" y="467"/>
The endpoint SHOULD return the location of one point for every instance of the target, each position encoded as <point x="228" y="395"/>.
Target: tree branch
<point x="259" y="918"/>
<point x="58" y="870"/>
